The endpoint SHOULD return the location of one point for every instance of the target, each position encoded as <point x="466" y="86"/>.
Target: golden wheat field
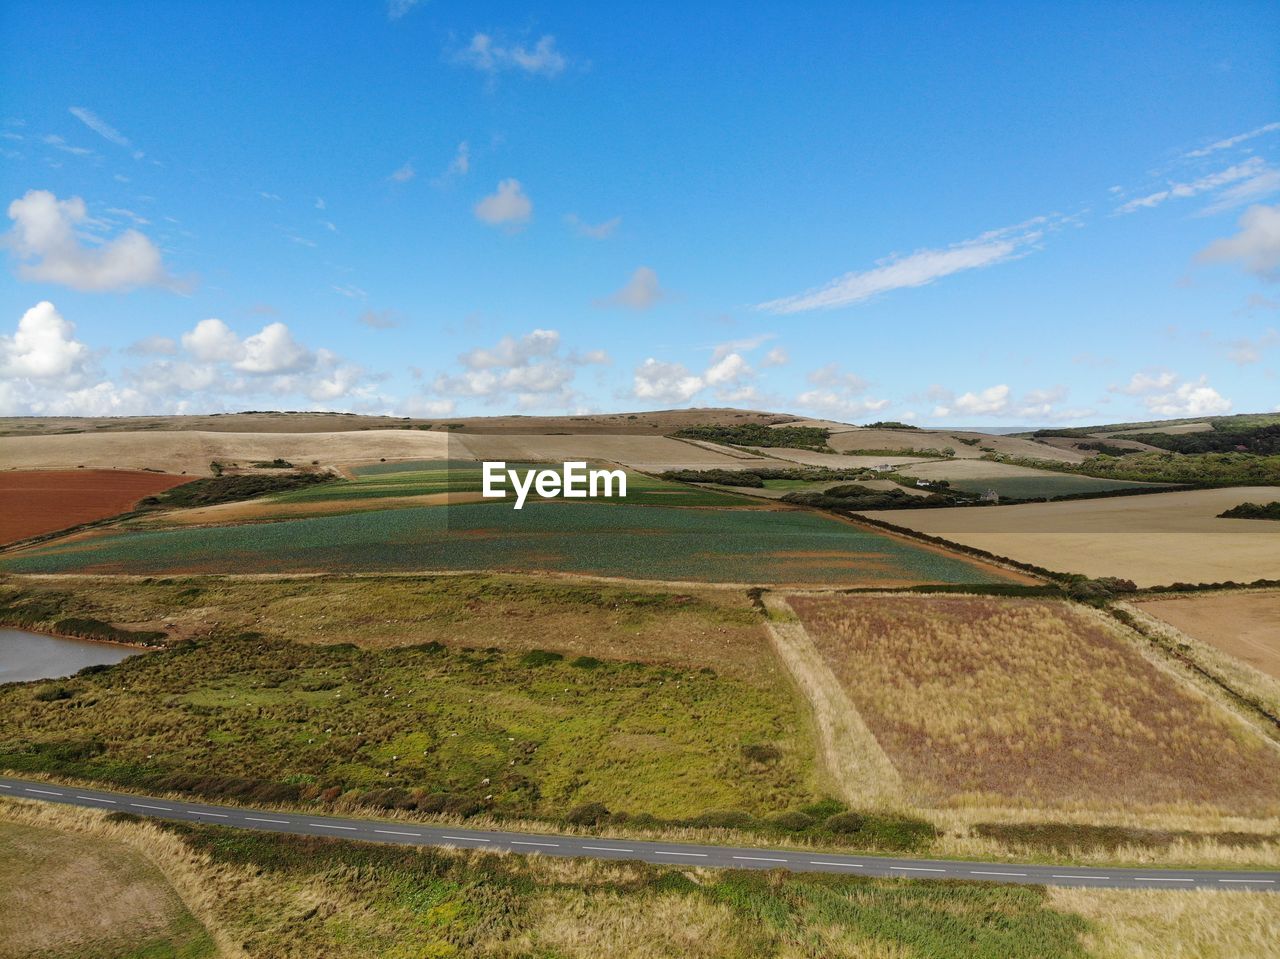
<point x="1245" y="625"/>
<point x="1154" y="539"/>
<point x="1033" y="701"/>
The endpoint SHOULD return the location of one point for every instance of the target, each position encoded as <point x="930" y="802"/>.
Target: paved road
<point x="413" y="834"/>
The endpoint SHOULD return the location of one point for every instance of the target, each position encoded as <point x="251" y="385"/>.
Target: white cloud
<point x="1000" y="401"/>
<point x="1247" y="170"/>
<point x="776" y="357"/>
<point x="43" y="347"/>
<point x="404" y="174"/>
<point x="641" y="291"/>
<point x="1232" y="141"/>
<point x="398" y="8"/>
<point x="529" y="369"/>
<point x="665" y="382"/>
<point x="919" y="268"/>
<point x="105" y="130"/>
<point x="212" y="341"/>
<point x="838" y="392"/>
<point x="44" y="239"/>
<point x="488" y="56"/>
<point x="1255" y="188"/>
<point x="58" y="143"/>
<point x="460" y="165"/>
<point x="1163" y="393"/>
<point x="593" y="231"/>
<point x="1256" y="246"/>
<point x="272" y="350"/>
<point x="509" y="206"/>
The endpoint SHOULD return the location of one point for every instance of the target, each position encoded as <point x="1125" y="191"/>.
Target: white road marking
<point x="917" y="869"/>
<point x="3" y="786"/>
<point x="392" y="832"/>
<point x="1159" y="879"/>
<point x="142" y="805"/>
<point x="278" y="822"/>
<point x="847" y="865"/>
<point x="758" y="859"/>
<point x="525" y="842"/>
<point x="96" y="799"/>
<point x="987" y="872"/>
<point x="43" y="792"/>
<point x="325" y="825"/>
<point x="608" y="848"/>
<point x="200" y="812"/>
<point x="699" y="855"/>
<point x="1247" y="880"/>
<point x="1068" y="876"/>
<point x="465" y="839"/>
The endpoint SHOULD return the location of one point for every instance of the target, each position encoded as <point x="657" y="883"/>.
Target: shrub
<point x="587" y="662"/>
<point x="587" y="814"/>
<point x="792" y="821"/>
<point x="844" y="823"/>
<point x="540" y="657"/>
<point x="50" y="694"/>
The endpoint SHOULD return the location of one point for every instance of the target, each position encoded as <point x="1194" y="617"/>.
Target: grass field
<point x="1154" y="540"/>
<point x="530" y="734"/>
<point x="618" y="540"/>
<point x="69" y="896"/>
<point x="293" y="896"/>
<point x="1033" y="702"/>
<point x="1017" y="482"/>
<point x="692" y="628"/>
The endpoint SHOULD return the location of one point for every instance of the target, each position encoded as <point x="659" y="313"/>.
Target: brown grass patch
<point x="33" y="502"/>
<point x="1033" y="701"/>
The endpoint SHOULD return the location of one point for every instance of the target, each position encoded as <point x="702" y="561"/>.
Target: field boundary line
<point x="854" y="760"/>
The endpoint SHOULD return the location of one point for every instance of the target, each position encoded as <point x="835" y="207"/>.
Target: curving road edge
<point x="591" y="847"/>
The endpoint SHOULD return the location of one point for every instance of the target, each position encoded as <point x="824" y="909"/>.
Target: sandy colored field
<point x="645" y="453"/>
<point x="974" y="469"/>
<point x="191" y="451"/>
<point x="655" y="422"/>
<point x="1158" y="428"/>
<point x="1033" y="702"/>
<point x="833" y="460"/>
<point x="767" y="493"/>
<point x="1245" y="625"/>
<point x="42" y="501"/>
<point x="1154" y="539"/>
<point x="63" y="894"/>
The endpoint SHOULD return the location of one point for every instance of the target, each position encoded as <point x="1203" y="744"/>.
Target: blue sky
<point x="953" y="214"/>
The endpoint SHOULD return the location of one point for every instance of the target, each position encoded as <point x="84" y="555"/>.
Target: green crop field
<point x="425" y="477"/>
<point x="533" y="734"/>
<point x="1045" y="487"/>
<point x="655" y="542"/>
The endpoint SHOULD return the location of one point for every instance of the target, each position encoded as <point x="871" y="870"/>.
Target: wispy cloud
<point x="1230" y="142"/>
<point x="1247" y="170"/>
<point x="509" y="206"/>
<point x="398" y="8"/>
<point x="593" y="231"/>
<point x="1256" y="246"/>
<point x="404" y="174"/>
<point x="487" y="55"/>
<point x="105" y="130"/>
<point x="919" y="268"/>
<point x="639" y="293"/>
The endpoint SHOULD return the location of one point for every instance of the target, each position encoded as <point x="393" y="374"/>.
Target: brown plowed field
<point x="43" y="501"/>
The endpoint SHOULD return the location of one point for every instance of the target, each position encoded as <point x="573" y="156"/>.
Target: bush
<point x="844" y="823"/>
<point x="587" y="814"/>
<point x="540" y="657"/>
<point x="793" y="821"/>
<point x="757" y="434"/>
<point x="587" y="662"/>
<point x="50" y="694"/>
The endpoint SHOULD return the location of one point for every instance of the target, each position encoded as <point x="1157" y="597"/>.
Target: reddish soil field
<point x="44" y="501"/>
